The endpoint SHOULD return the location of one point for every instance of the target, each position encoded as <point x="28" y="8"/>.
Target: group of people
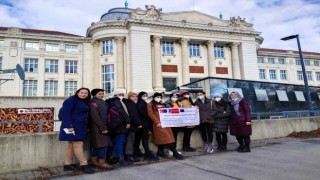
<point x="118" y="125"/>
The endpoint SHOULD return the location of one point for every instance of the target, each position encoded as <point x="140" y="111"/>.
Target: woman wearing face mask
<point x="240" y="121"/>
<point x="186" y="102"/>
<point x="100" y="139"/>
<point x="143" y="134"/>
<point x="173" y="102"/>
<point x="161" y="136"/>
<point x="207" y="110"/>
<point x="221" y="122"/>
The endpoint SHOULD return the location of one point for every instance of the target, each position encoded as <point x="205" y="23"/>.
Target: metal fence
<point x="284" y="114"/>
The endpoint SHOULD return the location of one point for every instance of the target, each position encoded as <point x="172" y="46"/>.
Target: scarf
<point x="235" y="103"/>
<point x="103" y="109"/>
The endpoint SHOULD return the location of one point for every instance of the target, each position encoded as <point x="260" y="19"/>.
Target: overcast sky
<point x="274" y="18"/>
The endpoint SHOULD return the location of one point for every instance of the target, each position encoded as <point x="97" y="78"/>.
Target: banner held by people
<point x="179" y="117"/>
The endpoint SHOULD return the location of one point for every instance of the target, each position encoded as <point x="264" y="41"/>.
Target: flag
<point x="163" y="111"/>
<point x="181" y="110"/>
<point x="175" y="111"/>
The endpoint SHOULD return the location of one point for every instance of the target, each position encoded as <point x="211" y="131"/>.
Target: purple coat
<point x="238" y="125"/>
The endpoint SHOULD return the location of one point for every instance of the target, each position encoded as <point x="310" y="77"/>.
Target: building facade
<point x="141" y="50"/>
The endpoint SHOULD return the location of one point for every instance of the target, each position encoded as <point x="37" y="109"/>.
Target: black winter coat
<point x="133" y="114"/>
<point x="221" y="119"/>
<point x="115" y="102"/>
<point x="142" y="109"/>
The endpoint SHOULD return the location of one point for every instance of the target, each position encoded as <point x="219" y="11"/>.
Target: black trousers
<point x="143" y="136"/>
<point x="175" y="131"/>
<point x="187" y="136"/>
<point x="243" y="140"/>
<point x="222" y="138"/>
<point x="169" y="146"/>
<point x="206" y="130"/>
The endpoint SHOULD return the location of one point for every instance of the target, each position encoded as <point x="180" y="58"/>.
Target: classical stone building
<point x="140" y="49"/>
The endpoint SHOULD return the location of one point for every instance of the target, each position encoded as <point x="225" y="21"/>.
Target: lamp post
<point x="305" y="79"/>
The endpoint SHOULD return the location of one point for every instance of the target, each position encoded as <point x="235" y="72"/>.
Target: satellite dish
<point x="20" y="72"/>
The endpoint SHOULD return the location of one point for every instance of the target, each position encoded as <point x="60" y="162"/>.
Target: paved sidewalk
<point x="282" y="158"/>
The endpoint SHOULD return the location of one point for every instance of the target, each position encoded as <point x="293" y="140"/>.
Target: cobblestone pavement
<point x="54" y="172"/>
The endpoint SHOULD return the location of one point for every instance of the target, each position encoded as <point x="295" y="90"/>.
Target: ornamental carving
<point x="151" y="12"/>
<point x="240" y="23"/>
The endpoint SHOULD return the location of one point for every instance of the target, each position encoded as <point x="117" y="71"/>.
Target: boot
<point x="160" y="152"/>
<point x="177" y="155"/>
<point x="224" y="144"/>
<point x="132" y="159"/>
<point x="187" y="148"/>
<point x="246" y="145"/>
<point x="122" y="162"/>
<point x="219" y="148"/>
<point x="241" y="144"/>
<point x="104" y="165"/>
<point x="94" y="160"/>
<point x="87" y="169"/>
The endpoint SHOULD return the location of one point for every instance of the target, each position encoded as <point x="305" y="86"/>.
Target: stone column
<point x="120" y="63"/>
<point x="185" y="61"/>
<point x="236" y="69"/>
<point x="157" y="63"/>
<point x="96" y="63"/>
<point x="211" y="61"/>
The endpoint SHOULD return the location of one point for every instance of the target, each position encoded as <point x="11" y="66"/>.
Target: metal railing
<point x="40" y="123"/>
<point x="283" y="114"/>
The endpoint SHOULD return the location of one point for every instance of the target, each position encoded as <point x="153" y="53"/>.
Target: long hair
<point x="88" y="99"/>
<point x="141" y="94"/>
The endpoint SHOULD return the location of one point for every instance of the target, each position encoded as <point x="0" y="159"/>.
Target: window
<point x="51" y="66"/>
<point x="298" y="62"/>
<point x="167" y="48"/>
<point x="71" y="48"/>
<point x="260" y="60"/>
<point x="309" y="75"/>
<point x="307" y="62"/>
<point x="283" y="74"/>
<point x="50" y="88"/>
<point x="271" y="60"/>
<point x="272" y="74"/>
<point x="218" y="51"/>
<point x="316" y="63"/>
<point x="71" y="67"/>
<point x="299" y="75"/>
<point x="107" y="47"/>
<point x="281" y="61"/>
<point x="318" y="76"/>
<point x="169" y="83"/>
<point x="32" y="46"/>
<point x="108" y="78"/>
<point x="0" y="63"/>
<point x="31" y="65"/>
<point x="194" y="50"/>
<point x="52" y="47"/>
<point x="30" y="87"/>
<point x="70" y="87"/>
<point x="1" y="43"/>
<point x="262" y="74"/>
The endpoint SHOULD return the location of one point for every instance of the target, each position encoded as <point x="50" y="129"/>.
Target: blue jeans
<point x="118" y="142"/>
<point x="100" y="152"/>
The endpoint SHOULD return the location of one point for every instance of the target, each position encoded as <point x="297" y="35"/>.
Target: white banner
<point x="179" y="117"/>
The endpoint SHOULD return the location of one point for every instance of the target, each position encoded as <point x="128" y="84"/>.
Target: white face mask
<point x="144" y="98"/>
<point x="120" y="97"/>
<point x="217" y="99"/>
<point x="187" y="96"/>
<point x="174" y="99"/>
<point x="157" y="99"/>
<point x="235" y="99"/>
<point x="200" y="97"/>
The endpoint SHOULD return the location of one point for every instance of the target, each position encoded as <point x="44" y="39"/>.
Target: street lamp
<point x="305" y="79"/>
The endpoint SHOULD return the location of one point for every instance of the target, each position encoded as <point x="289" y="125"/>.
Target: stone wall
<point x="30" y="151"/>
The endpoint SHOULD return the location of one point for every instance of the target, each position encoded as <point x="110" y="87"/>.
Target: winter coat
<point x="207" y="110"/>
<point x="115" y="102"/>
<point x="74" y="114"/>
<point x="133" y="114"/>
<point x="143" y="113"/>
<point x="169" y="103"/>
<point x="238" y="125"/>
<point x="159" y="135"/>
<point x="98" y="118"/>
<point x="222" y="117"/>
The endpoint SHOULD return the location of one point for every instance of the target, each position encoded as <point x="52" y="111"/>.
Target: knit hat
<point x="130" y="94"/>
<point x="157" y="94"/>
<point x="95" y="91"/>
<point x="118" y="91"/>
<point x="182" y="92"/>
<point x="217" y="95"/>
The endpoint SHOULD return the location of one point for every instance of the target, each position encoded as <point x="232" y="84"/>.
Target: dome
<point x="116" y="14"/>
